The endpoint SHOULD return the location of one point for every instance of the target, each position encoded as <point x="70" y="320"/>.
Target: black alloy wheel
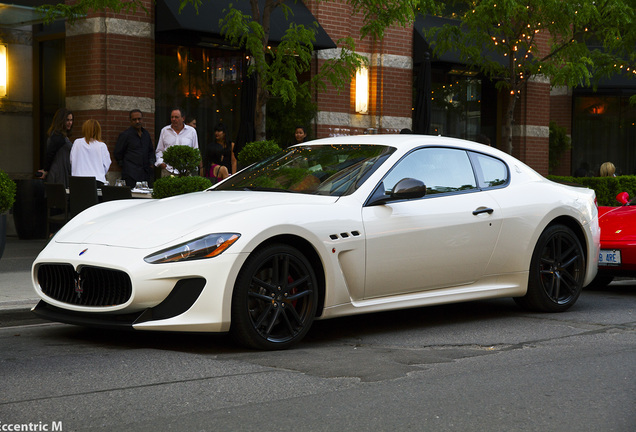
<point x="557" y="271"/>
<point x="275" y="298"/>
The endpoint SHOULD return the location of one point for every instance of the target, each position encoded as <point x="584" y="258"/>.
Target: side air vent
<point x="344" y="235"/>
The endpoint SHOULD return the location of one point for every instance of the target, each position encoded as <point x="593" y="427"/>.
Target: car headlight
<point x="208" y="246"/>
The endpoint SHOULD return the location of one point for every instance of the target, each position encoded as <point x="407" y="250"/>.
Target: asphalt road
<point x="481" y="366"/>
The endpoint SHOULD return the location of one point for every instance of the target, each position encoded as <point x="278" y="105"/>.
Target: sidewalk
<point x="16" y="290"/>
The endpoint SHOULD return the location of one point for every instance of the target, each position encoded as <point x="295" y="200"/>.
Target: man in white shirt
<point x="176" y="133"/>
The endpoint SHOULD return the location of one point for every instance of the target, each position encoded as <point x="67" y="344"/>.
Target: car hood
<point x="618" y="223"/>
<point x="154" y="223"/>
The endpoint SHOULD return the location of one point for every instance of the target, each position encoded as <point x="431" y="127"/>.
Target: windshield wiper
<point x="266" y="189"/>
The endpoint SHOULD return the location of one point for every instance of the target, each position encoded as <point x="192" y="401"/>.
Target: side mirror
<point x="622" y="198"/>
<point x="408" y="188"/>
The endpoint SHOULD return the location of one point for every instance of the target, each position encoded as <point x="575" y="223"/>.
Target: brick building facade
<point x="110" y="70"/>
<point x="391" y="77"/>
<point x="112" y="65"/>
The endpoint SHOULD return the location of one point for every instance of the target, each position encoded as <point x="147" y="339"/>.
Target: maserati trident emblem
<point x="83" y="252"/>
<point x="78" y="286"/>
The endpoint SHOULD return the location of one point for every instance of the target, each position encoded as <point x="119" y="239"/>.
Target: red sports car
<point x="618" y="241"/>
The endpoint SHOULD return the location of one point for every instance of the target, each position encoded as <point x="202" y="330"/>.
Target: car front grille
<point x="92" y="286"/>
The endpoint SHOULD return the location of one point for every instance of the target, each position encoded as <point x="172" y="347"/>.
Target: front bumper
<point x="181" y="299"/>
<point x="628" y="258"/>
<point x="192" y="296"/>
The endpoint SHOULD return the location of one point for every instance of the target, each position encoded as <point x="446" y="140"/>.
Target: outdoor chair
<point x="110" y="193"/>
<point x="56" y="206"/>
<point x="83" y="193"/>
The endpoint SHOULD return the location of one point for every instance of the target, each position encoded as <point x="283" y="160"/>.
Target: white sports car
<point x="329" y="228"/>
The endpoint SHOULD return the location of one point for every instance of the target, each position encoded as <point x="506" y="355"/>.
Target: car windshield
<point x="333" y="170"/>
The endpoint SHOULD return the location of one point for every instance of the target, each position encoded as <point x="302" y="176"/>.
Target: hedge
<point x="606" y="188"/>
<point x="171" y="186"/>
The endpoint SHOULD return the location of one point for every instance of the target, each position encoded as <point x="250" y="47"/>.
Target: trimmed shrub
<point x="7" y="192"/>
<point x="257" y="151"/>
<point x="184" y="159"/>
<point x="606" y="188"/>
<point x="171" y="186"/>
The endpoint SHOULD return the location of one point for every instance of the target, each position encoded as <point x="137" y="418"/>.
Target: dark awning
<point x="421" y="44"/>
<point x="625" y="80"/>
<point x="621" y="83"/>
<point x="17" y="13"/>
<point x="205" y="25"/>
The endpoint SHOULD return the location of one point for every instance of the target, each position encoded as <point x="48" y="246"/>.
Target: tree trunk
<point x="508" y="122"/>
<point x="261" y="86"/>
<point x="260" y="111"/>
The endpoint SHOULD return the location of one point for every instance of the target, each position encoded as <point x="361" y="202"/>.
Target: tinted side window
<point x="441" y="170"/>
<point x="491" y="172"/>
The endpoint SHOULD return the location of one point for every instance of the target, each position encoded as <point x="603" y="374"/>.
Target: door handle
<point x="481" y="210"/>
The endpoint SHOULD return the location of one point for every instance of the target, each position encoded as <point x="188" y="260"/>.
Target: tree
<point x="277" y="68"/>
<point x="571" y="43"/>
<point x="80" y="8"/>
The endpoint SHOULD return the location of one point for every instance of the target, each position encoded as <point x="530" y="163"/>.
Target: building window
<point x="205" y="82"/>
<point x="456" y="106"/>
<point x="603" y="129"/>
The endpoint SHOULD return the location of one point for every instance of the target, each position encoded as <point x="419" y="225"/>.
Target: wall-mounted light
<point x="3" y="70"/>
<point x="362" y="90"/>
<point x="597" y="109"/>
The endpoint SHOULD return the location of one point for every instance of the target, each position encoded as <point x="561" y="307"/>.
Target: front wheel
<point x="557" y="271"/>
<point x="275" y="298"/>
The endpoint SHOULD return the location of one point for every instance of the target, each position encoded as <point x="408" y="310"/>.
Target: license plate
<point x="609" y="257"/>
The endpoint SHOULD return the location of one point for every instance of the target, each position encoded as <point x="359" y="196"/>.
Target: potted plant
<point x="7" y="198"/>
<point x="186" y="161"/>
<point x="257" y="151"/>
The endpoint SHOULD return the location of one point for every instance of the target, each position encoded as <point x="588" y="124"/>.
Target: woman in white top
<point x="89" y="155"/>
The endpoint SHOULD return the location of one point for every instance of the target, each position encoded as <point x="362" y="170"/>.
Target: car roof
<point x="405" y="141"/>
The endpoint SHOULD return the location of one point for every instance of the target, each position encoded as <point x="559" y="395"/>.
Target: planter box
<point x="29" y="210"/>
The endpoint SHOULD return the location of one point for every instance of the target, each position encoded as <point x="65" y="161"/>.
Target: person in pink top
<point x="215" y="171"/>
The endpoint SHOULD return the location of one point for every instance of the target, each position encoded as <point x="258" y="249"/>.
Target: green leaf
<point x="8" y="190"/>
<point x="184" y="159"/>
<point x="171" y="186"/>
<point x="257" y="151"/>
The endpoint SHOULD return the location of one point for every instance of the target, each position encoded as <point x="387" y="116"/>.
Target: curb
<point x="18" y="304"/>
<point x="18" y="313"/>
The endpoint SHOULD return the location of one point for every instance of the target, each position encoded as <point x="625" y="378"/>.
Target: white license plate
<point x="609" y="257"/>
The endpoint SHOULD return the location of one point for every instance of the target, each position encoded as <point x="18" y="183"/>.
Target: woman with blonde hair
<point x="607" y="170"/>
<point x="89" y="155"/>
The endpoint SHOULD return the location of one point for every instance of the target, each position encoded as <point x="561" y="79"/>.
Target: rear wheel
<point x="275" y="297"/>
<point x="557" y="271"/>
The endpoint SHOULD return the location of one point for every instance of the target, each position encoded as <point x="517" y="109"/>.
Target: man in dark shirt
<point x="135" y="152"/>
